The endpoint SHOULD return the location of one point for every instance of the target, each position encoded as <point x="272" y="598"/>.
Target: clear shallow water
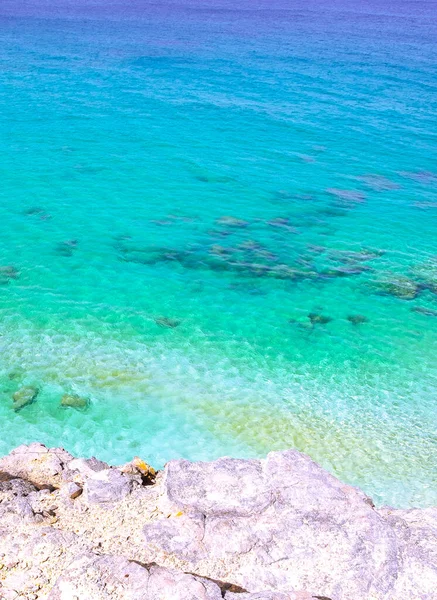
<point x="130" y="133"/>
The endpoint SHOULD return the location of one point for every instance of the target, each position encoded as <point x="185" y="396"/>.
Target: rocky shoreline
<point x="281" y="528"/>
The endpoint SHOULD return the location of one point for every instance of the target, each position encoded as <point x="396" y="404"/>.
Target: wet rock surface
<point x="281" y="528"/>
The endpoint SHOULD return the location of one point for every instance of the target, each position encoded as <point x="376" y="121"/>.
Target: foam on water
<point x="223" y="226"/>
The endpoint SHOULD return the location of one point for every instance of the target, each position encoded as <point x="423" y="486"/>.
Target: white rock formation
<point x="275" y="529"/>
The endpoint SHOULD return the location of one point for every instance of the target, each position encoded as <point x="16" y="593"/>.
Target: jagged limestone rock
<point x="36" y="463"/>
<point x="72" y="490"/>
<point x="103" y="577"/>
<point x="107" y="486"/>
<point x="283" y="524"/>
<point x="281" y="528"/>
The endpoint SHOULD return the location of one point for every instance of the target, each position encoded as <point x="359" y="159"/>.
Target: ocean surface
<point x="218" y="225"/>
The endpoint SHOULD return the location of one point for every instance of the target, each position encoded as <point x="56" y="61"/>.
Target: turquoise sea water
<point x="197" y="200"/>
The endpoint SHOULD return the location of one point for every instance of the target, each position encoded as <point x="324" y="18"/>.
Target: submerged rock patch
<point x="229" y="221"/>
<point x="319" y="319"/>
<point x="74" y="401"/>
<point x="37" y="211"/>
<point x="423" y="310"/>
<point x="168" y="322"/>
<point x="7" y="273"/>
<point x="379" y="183"/>
<point x="357" y="319"/>
<point x="398" y="286"/>
<point x="66" y="248"/>
<point x="426" y="274"/>
<point x="23" y="397"/>
<point x="347" y="196"/>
